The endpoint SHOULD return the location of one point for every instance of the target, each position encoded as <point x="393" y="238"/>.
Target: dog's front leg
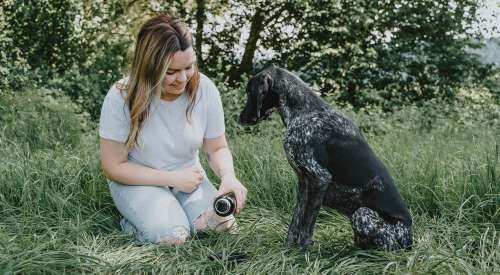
<point x="294" y="228"/>
<point x="309" y="199"/>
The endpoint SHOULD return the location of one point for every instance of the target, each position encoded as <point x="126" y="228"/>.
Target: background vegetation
<point x="406" y="71"/>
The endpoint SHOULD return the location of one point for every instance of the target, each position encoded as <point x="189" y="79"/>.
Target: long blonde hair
<point x="158" y="40"/>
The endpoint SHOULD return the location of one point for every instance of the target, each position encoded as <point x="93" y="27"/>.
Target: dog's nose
<point x="245" y="119"/>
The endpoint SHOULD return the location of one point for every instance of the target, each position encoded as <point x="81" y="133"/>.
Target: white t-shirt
<point x="167" y="141"/>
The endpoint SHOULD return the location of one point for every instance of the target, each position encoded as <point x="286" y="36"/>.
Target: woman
<point x="152" y="124"/>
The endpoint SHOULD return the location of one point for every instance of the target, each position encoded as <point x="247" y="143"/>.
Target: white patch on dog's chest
<point x="300" y="154"/>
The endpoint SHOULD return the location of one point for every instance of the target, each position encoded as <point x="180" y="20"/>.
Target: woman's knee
<point x="167" y="234"/>
<point x="174" y="239"/>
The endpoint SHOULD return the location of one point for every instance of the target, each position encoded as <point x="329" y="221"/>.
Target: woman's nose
<point x="181" y="77"/>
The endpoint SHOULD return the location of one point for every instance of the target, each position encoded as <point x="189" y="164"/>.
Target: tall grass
<point x="56" y="214"/>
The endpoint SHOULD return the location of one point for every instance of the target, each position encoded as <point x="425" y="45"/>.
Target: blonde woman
<point x="152" y="124"/>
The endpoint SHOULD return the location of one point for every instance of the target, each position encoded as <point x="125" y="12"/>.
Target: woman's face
<point x="179" y="72"/>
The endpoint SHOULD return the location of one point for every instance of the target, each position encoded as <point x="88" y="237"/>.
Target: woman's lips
<point x="178" y="86"/>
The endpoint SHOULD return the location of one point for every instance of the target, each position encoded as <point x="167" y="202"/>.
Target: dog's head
<point x="262" y="100"/>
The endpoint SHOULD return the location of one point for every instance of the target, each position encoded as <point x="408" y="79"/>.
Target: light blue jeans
<point x="154" y="213"/>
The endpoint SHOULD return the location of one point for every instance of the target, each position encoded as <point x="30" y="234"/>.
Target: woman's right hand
<point x="187" y="179"/>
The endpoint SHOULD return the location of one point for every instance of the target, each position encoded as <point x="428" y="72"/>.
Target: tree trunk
<point x="246" y="64"/>
<point x="200" y="20"/>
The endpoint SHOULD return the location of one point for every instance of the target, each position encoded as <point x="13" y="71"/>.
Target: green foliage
<point x="56" y="34"/>
<point x="387" y="53"/>
<point x="383" y="53"/>
<point x="43" y="32"/>
<point x="67" y="45"/>
<point x="219" y="56"/>
<point x="472" y="108"/>
<point x="41" y="119"/>
<point x="87" y="86"/>
<point x="13" y="67"/>
<point x="492" y="83"/>
<point x="364" y="53"/>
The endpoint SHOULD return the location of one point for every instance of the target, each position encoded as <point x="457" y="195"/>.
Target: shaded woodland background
<point x="362" y="55"/>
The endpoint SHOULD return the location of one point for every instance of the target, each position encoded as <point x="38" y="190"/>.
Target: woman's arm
<point x="219" y="156"/>
<point x="116" y="167"/>
<point x="221" y="162"/>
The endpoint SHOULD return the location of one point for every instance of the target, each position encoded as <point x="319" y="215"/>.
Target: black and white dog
<point x="333" y="162"/>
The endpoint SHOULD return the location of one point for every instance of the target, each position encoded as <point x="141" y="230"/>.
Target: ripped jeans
<point x="154" y="213"/>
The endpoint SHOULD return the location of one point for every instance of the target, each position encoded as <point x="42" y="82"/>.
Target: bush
<point x="73" y="46"/>
<point x="45" y="32"/>
<point x="492" y="83"/>
<point x="87" y="86"/>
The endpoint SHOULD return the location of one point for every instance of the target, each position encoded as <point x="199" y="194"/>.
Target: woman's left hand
<point x="229" y="183"/>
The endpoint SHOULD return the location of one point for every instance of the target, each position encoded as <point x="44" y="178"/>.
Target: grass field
<point x="56" y="214"/>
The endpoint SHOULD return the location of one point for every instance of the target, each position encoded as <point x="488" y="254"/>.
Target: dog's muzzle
<point x="248" y="120"/>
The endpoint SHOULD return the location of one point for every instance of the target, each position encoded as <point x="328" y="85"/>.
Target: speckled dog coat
<point x="333" y="162"/>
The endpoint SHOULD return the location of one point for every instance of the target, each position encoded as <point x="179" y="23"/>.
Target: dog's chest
<point x="298" y="144"/>
<point x="302" y="132"/>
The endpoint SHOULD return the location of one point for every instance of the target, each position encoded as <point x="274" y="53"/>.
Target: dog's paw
<point x="305" y="242"/>
<point x="297" y="240"/>
<point x="292" y="239"/>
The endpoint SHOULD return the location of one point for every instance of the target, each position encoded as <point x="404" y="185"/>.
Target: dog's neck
<point x="297" y="99"/>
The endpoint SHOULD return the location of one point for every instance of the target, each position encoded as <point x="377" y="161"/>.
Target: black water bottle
<point x="225" y="205"/>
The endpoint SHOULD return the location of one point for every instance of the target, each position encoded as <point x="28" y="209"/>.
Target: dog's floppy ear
<point x="266" y="85"/>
